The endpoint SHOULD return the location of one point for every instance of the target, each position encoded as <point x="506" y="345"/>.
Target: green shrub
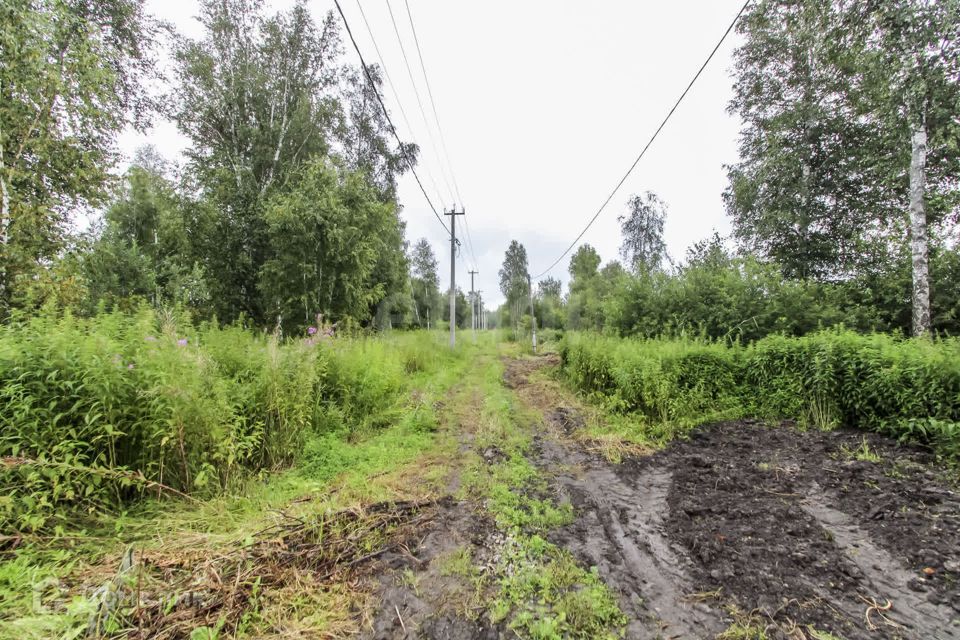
<point x="909" y="389"/>
<point x="99" y="412"/>
<point x="681" y="382"/>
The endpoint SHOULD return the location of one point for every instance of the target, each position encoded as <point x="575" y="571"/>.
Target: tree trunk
<point x="918" y="234"/>
<point x="4" y="229"/>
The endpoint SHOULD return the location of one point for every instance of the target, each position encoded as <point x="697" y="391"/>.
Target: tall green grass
<point x="909" y="389"/>
<point x="99" y="412"/>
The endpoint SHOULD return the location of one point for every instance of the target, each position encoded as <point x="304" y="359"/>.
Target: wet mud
<point x="417" y="598"/>
<point x="797" y="533"/>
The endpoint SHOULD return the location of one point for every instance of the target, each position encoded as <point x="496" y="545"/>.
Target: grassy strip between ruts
<point x="541" y="592"/>
<point x="47" y="585"/>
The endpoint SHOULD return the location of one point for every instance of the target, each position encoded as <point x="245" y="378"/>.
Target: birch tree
<point x="514" y="283"/>
<point x="425" y="280"/>
<point x="803" y="192"/>
<point x="910" y="91"/>
<point x="256" y="97"/>
<point x="364" y="135"/>
<point x="71" y="78"/>
<point x="643" y="247"/>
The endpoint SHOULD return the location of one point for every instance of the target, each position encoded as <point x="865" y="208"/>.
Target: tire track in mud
<point x="619" y="528"/>
<point x="789" y="527"/>
<point x="887" y="579"/>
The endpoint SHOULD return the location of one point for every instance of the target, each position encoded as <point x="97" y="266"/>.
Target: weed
<point x="862" y="453"/>
<point x="457" y="563"/>
<point x="103" y="412"/>
<point x="550" y="596"/>
<point x="338" y="463"/>
<point x="745" y="626"/>
<point x="409" y="579"/>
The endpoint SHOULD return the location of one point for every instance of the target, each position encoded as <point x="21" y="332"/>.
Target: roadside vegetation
<point x="215" y="435"/>
<point x="229" y="394"/>
<point x="904" y="388"/>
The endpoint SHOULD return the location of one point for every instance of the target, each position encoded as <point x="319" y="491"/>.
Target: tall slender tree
<point x="643" y="247"/>
<point x="909" y="56"/>
<point x="364" y="135"/>
<point x="425" y="282"/>
<point x="514" y="276"/>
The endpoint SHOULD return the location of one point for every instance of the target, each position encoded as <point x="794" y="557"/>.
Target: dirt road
<point x="743" y="530"/>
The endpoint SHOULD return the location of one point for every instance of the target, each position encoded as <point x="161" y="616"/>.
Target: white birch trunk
<point x="918" y="234"/>
<point x="4" y="224"/>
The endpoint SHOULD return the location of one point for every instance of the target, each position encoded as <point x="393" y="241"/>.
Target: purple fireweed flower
<point x="130" y="366"/>
<point x="311" y="330"/>
<point x="182" y="342"/>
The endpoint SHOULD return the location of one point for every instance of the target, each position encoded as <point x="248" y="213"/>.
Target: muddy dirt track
<point x="798" y="533"/>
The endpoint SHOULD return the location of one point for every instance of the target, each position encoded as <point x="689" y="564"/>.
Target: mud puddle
<point x="794" y="533"/>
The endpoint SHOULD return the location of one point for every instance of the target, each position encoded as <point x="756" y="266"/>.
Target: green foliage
<point x="143" y="251"/>
<point x="909" y="389"/>
<point x="718" y="295"/>
<point x="514" y="280"/>
<point x="542" y="593"/>
<point x="643" y="248"/>
<point x="551" y="597"/>
<point x="71" y="79"/>
<point x="425" y="283"/>
<point x="830" y="94"/>
<point x="327" y="234"/>
<point x="671" y="383"/>
<point x="100" y="412"/>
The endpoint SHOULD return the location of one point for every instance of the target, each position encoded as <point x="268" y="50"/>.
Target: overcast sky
<point x="544" y="105"/>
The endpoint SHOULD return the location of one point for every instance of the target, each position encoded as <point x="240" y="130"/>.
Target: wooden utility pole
<point x="473" y="306"/>
<point x="533" y="318"/>
<point x="453" y="213"/>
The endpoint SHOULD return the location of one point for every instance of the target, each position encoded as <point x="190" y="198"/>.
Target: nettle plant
<point x="906" y="388"/>
<point x="102" y="411"/>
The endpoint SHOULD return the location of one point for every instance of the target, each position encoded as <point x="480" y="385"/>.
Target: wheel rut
<point x="748" y="526"/>
<point x="886" y="580"/>
<point x="619" y="530"/>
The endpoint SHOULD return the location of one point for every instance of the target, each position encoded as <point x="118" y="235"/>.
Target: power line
<point x="386" y="114"/>
<point x="436" y="119"/>
<point x="416" y="92"/>
<point x="466" y="228"/>
<point x="393" y="90"/>
<point x="649" y="142"/>
<point x="433" y="104"/>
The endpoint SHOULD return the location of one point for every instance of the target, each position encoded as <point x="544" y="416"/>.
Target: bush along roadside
<point x="906" y="388"/>
<point x="101" y="412"/>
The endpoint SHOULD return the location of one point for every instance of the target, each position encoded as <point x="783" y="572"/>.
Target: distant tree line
<point x="285" y="206"/>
